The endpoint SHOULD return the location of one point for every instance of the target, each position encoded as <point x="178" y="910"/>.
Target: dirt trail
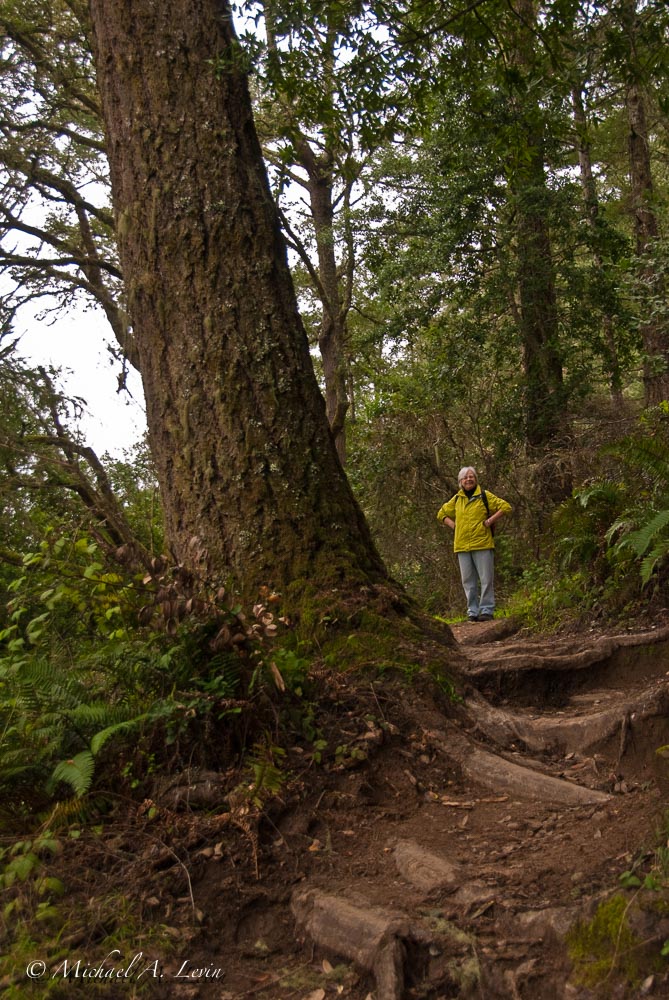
<point x="450" y="857"/>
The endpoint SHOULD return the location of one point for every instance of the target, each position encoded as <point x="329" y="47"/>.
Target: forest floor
<point x="469" y="853"/>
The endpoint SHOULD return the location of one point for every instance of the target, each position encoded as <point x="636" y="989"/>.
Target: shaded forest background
<point x="474" y="199"/>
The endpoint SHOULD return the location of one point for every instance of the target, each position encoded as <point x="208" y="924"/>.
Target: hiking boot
<point x="484" y="618"/>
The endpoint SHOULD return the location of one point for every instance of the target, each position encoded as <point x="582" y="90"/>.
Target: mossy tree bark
<point x="237" y="424"/>
<point x="544" y="391"/>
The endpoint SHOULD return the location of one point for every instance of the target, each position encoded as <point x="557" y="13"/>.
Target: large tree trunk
<point x="237" y="425"/>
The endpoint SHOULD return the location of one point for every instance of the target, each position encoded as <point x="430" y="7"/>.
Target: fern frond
<point x="63" y="813"/>
<point x="653" y="560"/>
<point x="640" y="540"/>
<point x="127" y="725"/>
<point x="645" y="454"/>
<point x="95" y="715"/>
<point x="38" y="683"/>
<point x="76" y="772"/>
<point x="14" y="766"/>
<point x="621" y="526"/>
<point x="604" y="494"/>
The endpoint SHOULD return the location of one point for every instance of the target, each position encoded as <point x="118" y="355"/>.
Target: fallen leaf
<point x="327" y="968"/>
<point x="278" y="679"/>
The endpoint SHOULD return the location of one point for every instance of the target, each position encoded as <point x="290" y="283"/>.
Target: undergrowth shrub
<point x="105" y="677"/>
<point x="610" y="551"/>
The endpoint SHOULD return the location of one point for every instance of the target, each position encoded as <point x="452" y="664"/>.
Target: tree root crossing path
<point x="479" y="856"/>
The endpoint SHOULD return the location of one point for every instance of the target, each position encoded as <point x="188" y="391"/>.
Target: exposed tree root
<point x="491" y="744"/>
<point x="522" y="781"/>
<point x="375" y="939"/>
<point x="571" y="730"/>
<point x="555" y="654"/>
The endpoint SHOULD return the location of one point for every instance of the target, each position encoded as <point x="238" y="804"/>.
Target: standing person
<point x="471" y="513"/>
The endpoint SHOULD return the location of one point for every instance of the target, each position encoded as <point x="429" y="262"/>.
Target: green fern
<point x="49" y="716"/>
<point x="653" y="560"/>
<point x="117" y="729"/>
<point x="641" y="539"/>
<point x="77" y="772"/>
<point x="95" y="715"/>
<point x="646" y="455"/>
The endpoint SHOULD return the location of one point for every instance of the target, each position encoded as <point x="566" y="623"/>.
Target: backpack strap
<point x="487" y="507"/>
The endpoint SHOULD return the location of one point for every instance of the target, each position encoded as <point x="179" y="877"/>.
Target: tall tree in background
<point x="634" y="24"/>
<point x="57" y="240"/>
<point x="605" y="284"/>
<point x="298" y="108"/>
<point x="538" y="313"/>
<point x="237" y="426"/>
<point x="499" y="102"/>
<point x="329" y="90"/>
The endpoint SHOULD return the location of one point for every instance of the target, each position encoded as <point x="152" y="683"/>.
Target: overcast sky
<point x="76" y="343"/>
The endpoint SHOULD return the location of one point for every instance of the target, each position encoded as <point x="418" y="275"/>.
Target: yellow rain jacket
<point x="469" y="513"/>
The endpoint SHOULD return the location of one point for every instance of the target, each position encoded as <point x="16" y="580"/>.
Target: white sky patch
<point x="76" y="343"/>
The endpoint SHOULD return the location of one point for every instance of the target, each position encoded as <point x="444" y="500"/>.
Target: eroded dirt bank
<point x="477" y="856"/>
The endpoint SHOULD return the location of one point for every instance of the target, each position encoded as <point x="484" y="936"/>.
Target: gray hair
<point x="463" y="472"/>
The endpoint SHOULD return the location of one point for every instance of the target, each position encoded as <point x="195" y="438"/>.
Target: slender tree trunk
<point x="245" y="458"/>
<point x="332" y="336"/>
<point x="545" y="419"/>
<point x="654" y="335"/>
<point x="318" y="167"/>
<point x="591" y="205"/>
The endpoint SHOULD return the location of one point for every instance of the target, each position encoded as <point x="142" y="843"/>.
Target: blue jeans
<point x="478" y="567"/>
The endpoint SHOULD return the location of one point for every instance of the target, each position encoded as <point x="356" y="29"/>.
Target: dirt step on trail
<point x="457" y="859"/>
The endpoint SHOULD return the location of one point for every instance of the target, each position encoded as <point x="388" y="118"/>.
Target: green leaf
<point x="76" y="772"/>
<point x="52" y="886"/>
<point x="24" y="866"/>
<point x="101" y="738"/>
<point x="640" y="540"/>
